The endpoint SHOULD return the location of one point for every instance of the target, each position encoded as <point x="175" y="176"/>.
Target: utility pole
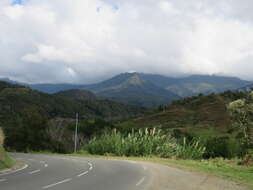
<point x="76" y="132"/>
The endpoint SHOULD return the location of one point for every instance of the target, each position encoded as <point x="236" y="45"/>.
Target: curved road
<point x="73" y="173"/>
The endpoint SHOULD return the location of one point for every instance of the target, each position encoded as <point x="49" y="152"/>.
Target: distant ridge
<point x="149" y="90"/>
<point x="247" y="88"/>
<point x="131" y="88"/>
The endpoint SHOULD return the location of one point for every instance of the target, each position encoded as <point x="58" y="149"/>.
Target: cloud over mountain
<point x="85" y="41"/>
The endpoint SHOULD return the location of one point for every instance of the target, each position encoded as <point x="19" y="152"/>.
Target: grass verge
<point x="5" y="160"/>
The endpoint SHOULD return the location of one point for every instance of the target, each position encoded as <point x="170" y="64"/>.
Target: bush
<point x="143" y="143"/>
<point x="192" y="150"/>
<point x="224" y="147"/>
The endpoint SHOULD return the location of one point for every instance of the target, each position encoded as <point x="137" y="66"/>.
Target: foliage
<point x="89" y="128"/>
<point x="190" y="150"/>
<point x="242" y="114"/>
<point x="225" y="147"/>
<point x="143" y="143"/>
<point x="5" y="160"/>
<point x="27" y="131"/>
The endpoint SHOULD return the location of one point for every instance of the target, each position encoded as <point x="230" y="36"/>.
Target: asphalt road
<point x="71" y="173"/>
<point x="42" y="172"/>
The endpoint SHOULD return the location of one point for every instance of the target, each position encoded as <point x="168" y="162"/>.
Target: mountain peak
<point x="135" y="80"/>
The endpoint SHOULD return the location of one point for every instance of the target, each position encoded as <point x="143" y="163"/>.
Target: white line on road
<point x="46" y="165"/>
<point x="84" y="173"/>
<point x="35" y="171"/>
<point x="91" y="167"/>
<point x="2" y="180"/>
<point x="141" y="181"/>
<point x="25" y="166"/>
<point x="54" y="184"/>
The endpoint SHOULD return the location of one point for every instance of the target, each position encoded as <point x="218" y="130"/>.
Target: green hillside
<point x="27" y="115"/>
<point x="202" y="115"/>
<point x="222" y="123"/>
<point x="77" y="94"/>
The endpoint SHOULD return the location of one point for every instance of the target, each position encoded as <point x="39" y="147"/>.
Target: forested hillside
<point x="202" y="112"/>
<point x="25" y="115"/>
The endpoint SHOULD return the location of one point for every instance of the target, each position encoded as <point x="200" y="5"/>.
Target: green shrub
<point x="225" y="147"/>
<point x="192" y="150"/>
<point x="143" y="143"/>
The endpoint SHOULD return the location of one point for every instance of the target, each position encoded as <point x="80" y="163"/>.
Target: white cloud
<point x="71" y="41"/>
<point x="14" y="12"/>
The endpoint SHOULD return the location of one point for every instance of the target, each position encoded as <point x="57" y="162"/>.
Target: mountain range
<point x="148" y="90"/>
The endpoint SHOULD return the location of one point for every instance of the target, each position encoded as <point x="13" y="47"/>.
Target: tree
<point x="241" y="112"/>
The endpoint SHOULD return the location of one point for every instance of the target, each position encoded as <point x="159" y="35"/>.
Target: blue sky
<point x="17" y="2"/>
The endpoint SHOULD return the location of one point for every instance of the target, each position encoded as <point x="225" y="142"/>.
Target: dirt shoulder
<point x="169" y="178"/>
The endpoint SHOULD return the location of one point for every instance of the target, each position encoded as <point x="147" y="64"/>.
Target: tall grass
<point x="142" y="143"/>
<point x="2" y="137"/>
<point x="190" y="150"/>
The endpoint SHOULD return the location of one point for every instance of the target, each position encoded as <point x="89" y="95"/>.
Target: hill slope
<point x="196" y="84"/>
<point x="77" y="94"/>
<point x="15" y="98"/>
<point x="25" y="115"/>
<point x="205" y="115"/>
<point x="206" y="111"/>
<point x="130" y="88"/>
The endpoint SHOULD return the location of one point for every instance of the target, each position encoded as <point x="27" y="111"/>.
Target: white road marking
<point x="42" y="162"/>
<point x="2" y="180"/>
<point x="54" y="184"/>
<point x="140" y="182"/>
<point x="46" y="165"/>
<point x="90" y="164"/>
<point x="35" y="171"/>
<point x="25" y="166"/>
<point x="84" y="173"/>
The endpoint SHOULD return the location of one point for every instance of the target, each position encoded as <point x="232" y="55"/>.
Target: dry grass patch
<point x="1" y="137"/>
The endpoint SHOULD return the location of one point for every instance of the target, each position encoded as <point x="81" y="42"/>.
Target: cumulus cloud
<point x="86" y="41"/>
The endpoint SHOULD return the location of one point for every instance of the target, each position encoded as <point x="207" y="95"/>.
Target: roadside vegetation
<point x="225" y="150"/>
<point x="5" y="160"/>
<point x="236" y="141"/>
<point x="143" y="143"/>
